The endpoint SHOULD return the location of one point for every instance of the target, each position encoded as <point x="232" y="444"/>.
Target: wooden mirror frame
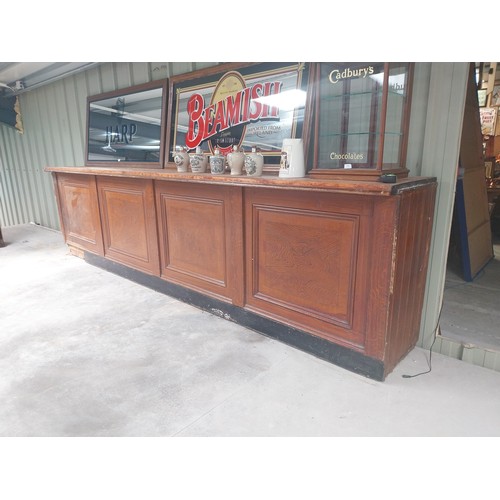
<point x="136" y="89"/>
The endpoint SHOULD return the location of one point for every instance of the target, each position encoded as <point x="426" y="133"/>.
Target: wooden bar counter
<point x="333" y="267"/>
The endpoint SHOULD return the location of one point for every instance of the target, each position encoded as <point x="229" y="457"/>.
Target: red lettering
<point x="233" y="108"/>
<point x="242" y="107"/>
<point x="196" y="125"/>
<point x="257" y="106"/>
<point x="209" y="116"/>
<point x="275" y="110"/>
<point x="265" y="107"/>
<point x="246" y="105"/>
<point x="220" y="119"/>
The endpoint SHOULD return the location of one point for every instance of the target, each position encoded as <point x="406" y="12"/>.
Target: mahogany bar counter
<point x="336" y="268"/>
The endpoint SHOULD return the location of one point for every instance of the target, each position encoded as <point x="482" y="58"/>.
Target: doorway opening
<point x="471" y="307"/>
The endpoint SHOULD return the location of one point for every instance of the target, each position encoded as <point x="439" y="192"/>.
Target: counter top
<point x="267" y="181"/>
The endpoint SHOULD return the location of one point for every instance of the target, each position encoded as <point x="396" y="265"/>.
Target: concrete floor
<point x="86" y="353"/>
<point x="471" y="310"/>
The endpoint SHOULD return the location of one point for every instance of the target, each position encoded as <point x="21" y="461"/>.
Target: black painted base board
<point x="321" y="348"/>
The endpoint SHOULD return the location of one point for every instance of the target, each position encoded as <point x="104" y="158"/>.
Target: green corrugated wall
<point x="54" y="119"/>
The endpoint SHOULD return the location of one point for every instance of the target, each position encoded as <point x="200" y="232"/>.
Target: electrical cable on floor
<point x="430" y="348"/>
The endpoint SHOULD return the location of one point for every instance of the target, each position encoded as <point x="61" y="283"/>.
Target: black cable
<point x="430" y="363"/>
<point x="430" y="348"/>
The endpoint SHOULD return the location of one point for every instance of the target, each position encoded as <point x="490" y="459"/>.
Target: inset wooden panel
<point x="129" y="222"/>
<point x="79" y="211"/>
<point x="201" y="237"/>
<point x="304" y="263"/>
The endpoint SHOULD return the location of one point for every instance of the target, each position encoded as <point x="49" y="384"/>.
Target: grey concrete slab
<point x="309" y="397"/>
<point x="471" y="310"/>
<point x="86" y="353"/>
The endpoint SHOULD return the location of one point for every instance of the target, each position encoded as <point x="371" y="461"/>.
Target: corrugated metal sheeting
<point x="54" y="119"/>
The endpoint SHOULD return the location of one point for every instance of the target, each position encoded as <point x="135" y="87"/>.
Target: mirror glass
<point x="350" y="112"/>
<point x="126" y="127"/>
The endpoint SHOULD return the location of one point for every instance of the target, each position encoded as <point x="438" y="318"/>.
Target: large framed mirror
<point x="126" y="127"/>
<point x="243" y="105"/>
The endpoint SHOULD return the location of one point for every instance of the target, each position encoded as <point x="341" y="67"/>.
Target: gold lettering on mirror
<point x="337" y="75"/>
<point x="346" y="156"/>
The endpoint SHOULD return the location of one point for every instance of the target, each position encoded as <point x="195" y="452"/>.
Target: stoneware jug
<point x="198" y="161"/>
<point x="217" y="163"/>
<point x="254" y="163"/>
<point x="181" y="158"/>
<point x="236" y="161"/>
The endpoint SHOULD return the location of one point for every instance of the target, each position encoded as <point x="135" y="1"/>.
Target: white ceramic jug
<point x="292" y="159"/>
<point x="198" y="161"/>
<point x="254" y="163"/>
<point x="236" y="160"/>
<point x="181" y="158"/>
<point x="217" y="163"/>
